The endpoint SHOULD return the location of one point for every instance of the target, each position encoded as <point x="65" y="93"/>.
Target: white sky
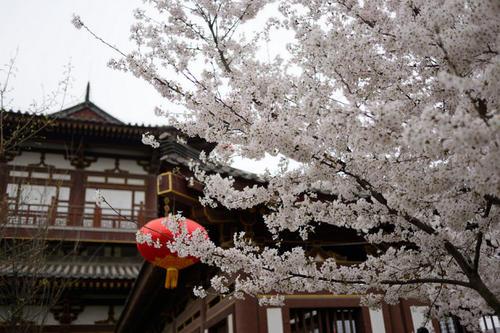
<point x="41" y="34"/>
<point x="45" y="40"/>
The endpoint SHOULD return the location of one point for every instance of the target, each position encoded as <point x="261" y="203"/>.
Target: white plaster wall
<point x="102" y="163"/>
<point x="91" y="314"/>
<point x="132" y="167"/>
<point x="377" y="321"/>
<point x="12" y="190"/>
<point x="274" y="320"/>
<point x="64" y="193"/>
<point x="116" y="180"/>
<point x="37" y="194"/>
<point x="139" y="197"/>
<point x="58" y="161"/>
<point x="18" y="173"/>
<point x="135" y="181"/>
<point x="96" y="179"/>
<point x="418" y="317"/>
<point x="106" y="163"/>
<point x="118" y="199"/>
<point x="26" y="158"/>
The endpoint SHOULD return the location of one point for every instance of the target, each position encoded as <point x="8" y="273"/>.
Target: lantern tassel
<point x="171" y="278"/>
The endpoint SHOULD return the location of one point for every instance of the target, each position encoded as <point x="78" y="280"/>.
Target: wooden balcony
<point x="61" y="221"/>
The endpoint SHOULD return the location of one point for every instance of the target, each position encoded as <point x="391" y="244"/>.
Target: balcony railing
<point x="60" y="214"/>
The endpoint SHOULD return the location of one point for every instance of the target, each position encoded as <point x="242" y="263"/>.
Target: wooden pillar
<point x="97" y="216"/>
<point x="387" y="318"/>
<point x="4" y="200"/>
<point x="4" y="178"/>
<point x="52" y="213"/>
<point x="151" y="197"/>
<point x="396" y="322"/>
<point x="406" y="314"/>
<point x="365" y="320"/>
<point x="203" y="315"/>
<point x="246" y="315"/>
<point x="152" y="167"/>
<point x="262" y="322"/>
<point x="77" y="197"/>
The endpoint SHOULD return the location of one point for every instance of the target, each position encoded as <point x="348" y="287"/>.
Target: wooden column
<point x="203" y="314"/>
<point x="152" y="167"/>
<point x="4" y="175"/>
<point x="246" y="315"/>
<point x="151" y="197"/>
<point x="365" y="320"/>
<point x="77" y="197"/>
<point x="397" y="319"/>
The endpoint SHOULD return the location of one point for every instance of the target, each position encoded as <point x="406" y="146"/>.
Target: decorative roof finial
<point x="87" y="93"/>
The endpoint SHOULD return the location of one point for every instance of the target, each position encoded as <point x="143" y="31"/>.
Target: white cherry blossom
<point x="391" y="107"/>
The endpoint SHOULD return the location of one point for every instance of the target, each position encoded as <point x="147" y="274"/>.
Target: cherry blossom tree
<point x="390" y="107"/>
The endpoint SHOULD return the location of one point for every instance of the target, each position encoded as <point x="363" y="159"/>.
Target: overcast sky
<point x="45" y="41"/>
<point x="41" y="34"/>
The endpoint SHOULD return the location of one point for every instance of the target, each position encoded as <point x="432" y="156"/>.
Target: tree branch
<point x="477" y="255"/>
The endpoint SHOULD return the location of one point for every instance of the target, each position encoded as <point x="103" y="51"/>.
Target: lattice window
<point x="450" y="325"/>
<point x="325" y="320"/>
<point x="488" y="324"/>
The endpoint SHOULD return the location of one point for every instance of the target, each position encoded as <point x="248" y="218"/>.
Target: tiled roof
<point x="80" y="270"/>
<point x="87" y="111"/>
<point x="52" y="124"/>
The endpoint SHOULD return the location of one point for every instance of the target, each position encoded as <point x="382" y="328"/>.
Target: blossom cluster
<point x="390" y="107"/>
<point x="99" y="198"/>
<point x="150" y="140"/>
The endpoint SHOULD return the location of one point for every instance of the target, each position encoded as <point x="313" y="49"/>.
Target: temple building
<point x="78" y="270"/>
<point x="82" y="259"/>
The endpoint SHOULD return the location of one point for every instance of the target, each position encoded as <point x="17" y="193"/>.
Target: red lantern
<point x="161" y="255"/>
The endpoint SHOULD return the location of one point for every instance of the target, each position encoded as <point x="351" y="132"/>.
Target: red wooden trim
<point x="396" y="322"/>
<point x="387" y="318"/>
<point x="262" y="319"/>
<point x="39" y="181"/>
<point x="406" y="316"/>
<point x="151" y="198"/>
<point x="285" y="314"/>
<point x="4" y="172"/>
<point x="76" y="197"/>
<point x="366" y="324"/>
<point x="246" y="316"/>
<point x="435" y="325"/>
<point x="333" y="302"/>
<point x="68" y="234"/>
